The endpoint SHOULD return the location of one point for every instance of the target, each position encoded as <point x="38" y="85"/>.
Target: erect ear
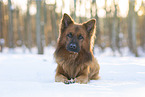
<point x="66" y="21"/>
<point x="90" y="25"/>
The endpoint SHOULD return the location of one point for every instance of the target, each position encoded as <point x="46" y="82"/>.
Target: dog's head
<point x="76" y="36"/>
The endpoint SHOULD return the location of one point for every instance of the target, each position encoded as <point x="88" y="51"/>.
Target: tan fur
<point x="78" y="67"/>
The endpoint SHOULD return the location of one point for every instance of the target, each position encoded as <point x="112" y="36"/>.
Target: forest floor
<point x="32" y="75"/>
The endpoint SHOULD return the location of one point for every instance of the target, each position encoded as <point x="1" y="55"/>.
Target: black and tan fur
<point x="76" y="64"/>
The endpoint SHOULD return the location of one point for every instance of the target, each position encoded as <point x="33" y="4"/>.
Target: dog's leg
<point x="95" y="76"/>
<point x="60" y="75"/>
<point x="60" y="78"/>
<point x="83" y="77"/>
<point x="94" y="70"/>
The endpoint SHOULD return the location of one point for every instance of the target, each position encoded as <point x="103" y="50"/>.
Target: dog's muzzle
<point x="73" y="47"/>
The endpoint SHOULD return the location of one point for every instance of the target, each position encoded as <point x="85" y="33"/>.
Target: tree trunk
<point x="45" y="12"/>
<point x="38" y="28"/>
<point x="143" y="35"/>
<point x="1" y="31"/>
<point x="113" y="39"/>
<point x="118" y="40"/>
<point x="97" y="22"/>
<point x="74" y="10"/>
<point x="24" y="33"/>
<point x="20" y="42"/>
<point x="43" y="24"/>
<point x="134" y="42"/>
<point x="54" y="32"/>
<point x="29" y="31"/>
<point x="105" y="36"/>
<point x="80" y="18"/>
<point x="132" y="28"/>
<point x="10" y="33"/>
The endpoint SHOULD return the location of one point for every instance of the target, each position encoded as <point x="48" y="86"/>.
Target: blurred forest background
<point x="35" y="23"/>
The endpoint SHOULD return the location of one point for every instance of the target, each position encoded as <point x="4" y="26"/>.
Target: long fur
<point x="81" y="66"/>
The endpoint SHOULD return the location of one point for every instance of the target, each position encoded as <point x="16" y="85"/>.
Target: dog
<point x="74" y="52"/>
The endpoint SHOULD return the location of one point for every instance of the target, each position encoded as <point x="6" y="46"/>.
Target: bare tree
<point x="74" y="10"/>
<point x="53" y="21"/>
<point x="44" y="21"/>
<point x="28" y="24"/>
<point x="94" y="7"/>
<point x="118" y="38"/>
<point x="143" y="36"/>
<point x="10" y="32"/>
<point x="132" y="28"/>
<point x="143" y="32"/>
<point x="95" y="10"/>
<point x="1" y="31"/>
<point x="114" y="33"/>
<point x="38" y="28"/>
<point x="106" y="35"/>
<point x="19" y="41"/>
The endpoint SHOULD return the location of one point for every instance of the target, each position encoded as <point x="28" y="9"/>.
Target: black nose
<point x="73" y="46"/>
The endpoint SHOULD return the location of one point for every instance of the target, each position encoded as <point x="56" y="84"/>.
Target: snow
<point x="32" y="75"/>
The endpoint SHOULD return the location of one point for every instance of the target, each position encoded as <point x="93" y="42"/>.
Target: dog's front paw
<point x="81" y="81"/>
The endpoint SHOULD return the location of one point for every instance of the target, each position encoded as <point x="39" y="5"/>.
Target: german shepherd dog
<point x="74" y="55"/>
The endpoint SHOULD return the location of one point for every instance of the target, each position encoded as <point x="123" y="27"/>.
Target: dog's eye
<point x="70" y="35"/>
<point x="80" y="37"/>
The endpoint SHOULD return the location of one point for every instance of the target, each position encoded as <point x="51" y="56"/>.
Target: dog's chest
<point x="72" y="70"/>
<point x="72" y="66"/>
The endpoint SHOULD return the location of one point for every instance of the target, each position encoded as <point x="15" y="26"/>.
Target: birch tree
<point x="143" y="32"/>
<point x="114" y="23"/>
<point x="29" y="31"/>
<point x="132" y="43"/>
<point x="53" y="21"/>
<point x="74" y="10"/>
<point x="38" y="28"/>
<point x="19" y="42"/>
<point x="1" y="31"/>
<point x="10" y="28"/>
<point x="143" y="36"/>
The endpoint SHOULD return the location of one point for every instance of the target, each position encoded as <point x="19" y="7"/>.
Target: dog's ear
<point x="66" y="21"/>
<point x="90" y="26"/>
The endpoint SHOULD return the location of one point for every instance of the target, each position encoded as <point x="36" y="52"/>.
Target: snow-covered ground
<point x="32" y="75"/>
